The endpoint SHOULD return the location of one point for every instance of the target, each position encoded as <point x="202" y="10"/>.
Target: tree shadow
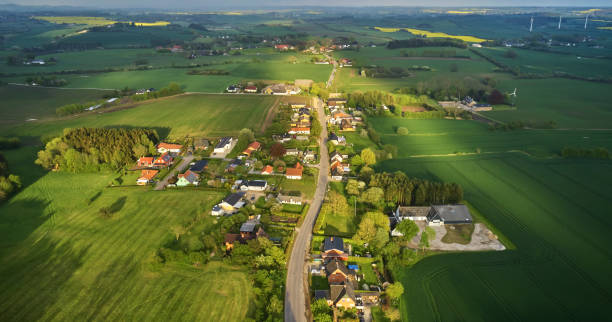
<point x="34" y="266"/>
<point x="162" y="132"/>
<point x="114" y="207"/>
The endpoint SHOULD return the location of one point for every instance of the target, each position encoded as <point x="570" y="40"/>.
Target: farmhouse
<point x="289" y="200"/>
<point x="307" y="83"/>
<point x="229" y="205"/>
<point x="224" y="145"/>
<point x="247" y="232"/>
<point x="333" y="248"/>
<point x="281" y="89"/>
<point x="294" y="173"/>
<point x="310" y="156"/>
<point x="482" y="107"/>
<point x="336" y="102"/>
<point x="199" y="166"/>
<point x="164" y="160"/>
<point x="145" y="161"/>
<point x="299" y="130"/>
<point x="335" y="156"/>
<point x="267" y="170"/>
<point x="338" y="116"/>
<point x="146" y="176"/>
<point x="168" y="147"/>
<point x="188" y="178"/>
<point x="346" y="125"/>
<point x="294" y="152"/>
<point x="232" y="89"/>
<point x="336" y="140"/>
<point x="281" y="47"/>
<point x="250" y="89"/>
<point x="411" y="213"/>
<point x="448" y="215"/>
<point x="254" y="185"/>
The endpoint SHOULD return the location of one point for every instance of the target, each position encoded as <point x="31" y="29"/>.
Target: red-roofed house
<point x="146" y="161"/>
<point x="294" y="173"/>
<point x="164" y="160"/>
<point x="255" y="146"/>
<point x="281" y="47"/>
<point x="250" y="89"/>
<point x="146" y="176"/>
<point x="267" y="170"/>
<point x="169" y="147"/>
<point x="299" y="130"/>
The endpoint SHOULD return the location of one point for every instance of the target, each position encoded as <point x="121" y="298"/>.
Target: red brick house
<point x="146" y="161"/>
<point x="164" y="160"/>
<point x="338" y="273"/>
<point x="333" y="248"/>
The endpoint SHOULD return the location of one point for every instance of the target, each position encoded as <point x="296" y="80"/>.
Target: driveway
<point x="296" y="293"/>
<point x="182" y="166"/>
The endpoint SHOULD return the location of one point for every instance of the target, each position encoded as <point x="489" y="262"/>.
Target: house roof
<point x="190" y="176"/>
<point x="413" y="211"/>
<point x="234" y="198"/>
<point x="169" y="146"/>
<point x="146" y="159"/>
<point x="164" y="158"/>
<point x="300" y="129"/>
<point x="251" y="87"/>
<point x="335" y="155"/>
<point x="335" y="265"/>
<point x="199" y="165"/>
<point x="282" y="198"/>
<point x="333" y="137"/>
<point x="292" y="151"/>
<point x="321" y="294"/>
<point x="267" y="169"/>
<point x="254" y="145"/>
<point x="256" y="183"/>
<point x="450" y="214"/>
<point x="331" y="243"/>
<point x="231" y="238"/>
<point x="201" y="142"/>
<point x="337" y="292"/>
<point x="294" y="172"/>
<point x="248" y="227"/>
<point x="148" y="174"/>
<point x="223" y="142"/>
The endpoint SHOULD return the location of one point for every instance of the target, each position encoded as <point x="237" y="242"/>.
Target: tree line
<point x="171" y="89"/>
<point x="399" y="188"/>
<point x="425" y="42"/>
<point x="95" y="149"/>
<point x="593" y="153"/>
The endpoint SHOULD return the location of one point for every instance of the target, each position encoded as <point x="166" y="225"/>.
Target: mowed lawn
<point x="60" y="260"/>
<point x="190" y="114"/>
<point x="20" y="103"/>
<point x="442" y="137"/>
<point x="554" y="210"/>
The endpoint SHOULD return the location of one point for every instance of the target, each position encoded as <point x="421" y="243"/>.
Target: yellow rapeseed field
<point x="152" y="24"/>
<point x="605" y="28"/>
<point x="430" y="34"/>
<point x="95" y="21"/>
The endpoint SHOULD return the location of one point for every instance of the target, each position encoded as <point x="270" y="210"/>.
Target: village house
<point x="448" y="215"/>
<point x="338" y="273"/>
<point x="224" y="145"/>
<point x="294" y="173"/>
<point x="233" y="165"/>
<point x="292" y="152"/>
<point x="146" y="176"/>
<point x="346" y="125"/>
<point x="343" y="296"/>
<point x="310" y="156"/>
<point x="336" y="102"/>
<point x="283" y="138"/>
<point x="232" y="89"/>
<point x="267" y="170"/>
<point x="230" y="204"/>
<point x="281" y="47"/>
<point x="299" y="130"/>
<point x="254" y="146"/>
<point x="281" y="89"/>
<point x="164" y="160"/>
<point x="145" y="161"/>
<point x="250" y="89"/>
<point x="199" y="166"/>
<point x="333" y="248"/>
<point x="201" y="144"/>
<point x="336" y="140"/>
<point x="335" y="156"/>
<point x="163" y="147"/>
<point x="188" y="178"/>
<point x="248" y="231"/>
<point x="289" y="200"/>
<point x="338" y="116"/>
<point x="296" y="106"/>
<point x="254" y="185"/>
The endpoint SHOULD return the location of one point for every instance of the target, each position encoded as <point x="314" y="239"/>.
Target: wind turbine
<point x="531" y="25"/>
<point x="586" y="21"/>
<point x="513" y="94"/>
<point x="559" y="27"/>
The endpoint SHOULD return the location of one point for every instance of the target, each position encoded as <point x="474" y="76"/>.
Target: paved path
<point x="179" y="168"/>
<point x="296" y="293"/>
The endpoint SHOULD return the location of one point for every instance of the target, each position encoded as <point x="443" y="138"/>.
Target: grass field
<point x="431" y="34"/>
<point x="195" y="114"/>
<point x="60" y="260"/>
<point x="20" y="103"/>
<point x="553" y="210"/>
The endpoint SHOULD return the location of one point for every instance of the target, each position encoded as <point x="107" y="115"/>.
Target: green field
<point x="61" y="260"/>
<point x="448" y="137"/>
<point x="20" y="103"/>
<point x="554" y="210"/>
<point x="193" y="114"/>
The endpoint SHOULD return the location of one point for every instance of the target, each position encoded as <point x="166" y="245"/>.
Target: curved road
<point x="297" y="285"/>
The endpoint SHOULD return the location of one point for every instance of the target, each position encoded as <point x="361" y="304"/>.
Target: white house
<point x="289" y="200"/>
<point x="229" y="205"/>
<point x="224" y="145"/>
<point x="254" y="185"/>
<point x="163" y="147"/>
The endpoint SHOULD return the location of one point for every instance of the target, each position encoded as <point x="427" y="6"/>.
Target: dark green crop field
<point x="554" y="210"/>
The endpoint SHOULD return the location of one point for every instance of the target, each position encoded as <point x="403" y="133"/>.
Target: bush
<point x="402" y="131"/>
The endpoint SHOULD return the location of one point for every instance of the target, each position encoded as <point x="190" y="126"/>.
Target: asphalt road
<point x="182" y="166"/>
<point x="297" y="283"/>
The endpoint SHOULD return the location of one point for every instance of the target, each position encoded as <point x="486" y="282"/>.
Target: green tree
<point x="356" y="161"/>
<point x="368" y="156"/>
<point x="394" y="291"/>
<point x="402" y="131"/>
<point x="369" y="227"/>
<point x="408" y="228"/>
<point x="352" y="187"/>
<point x="373" y="196"/>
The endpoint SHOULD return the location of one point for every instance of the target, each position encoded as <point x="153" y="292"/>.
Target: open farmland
<point x="20" y="103"/>
<point x="190" y="114"/>
<point x="62" y="260"/>
<point x="553" y="210"/>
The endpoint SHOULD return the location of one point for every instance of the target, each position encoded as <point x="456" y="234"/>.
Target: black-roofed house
<point x="342" y="295"/>
<point x="448" y="215"/>
<point x="224" y="145"/>
<point x="229" y="205"/>
<point x="333" y="248"/>
<point x="254" y="185"/>
<point x="199" y="166"/>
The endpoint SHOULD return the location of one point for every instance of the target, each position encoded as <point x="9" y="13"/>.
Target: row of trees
<point x="171" y="89"/>
<point x="9" y="183"/>
<point x="401" y="189"/>
<point x="93" y="149"/>
<point x="593" y="153"/>
<point x="51" y="81"/>
<point x="425" y="42"/>
<point x="75" y="108"/>
<point x="9" y="143"/>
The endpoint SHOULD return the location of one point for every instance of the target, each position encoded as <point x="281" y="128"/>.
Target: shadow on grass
<point x="162" y="132"/>
<point x="34" y="266"/>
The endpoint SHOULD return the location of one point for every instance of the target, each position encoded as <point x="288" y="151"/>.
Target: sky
<point x="250" y="4"/>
